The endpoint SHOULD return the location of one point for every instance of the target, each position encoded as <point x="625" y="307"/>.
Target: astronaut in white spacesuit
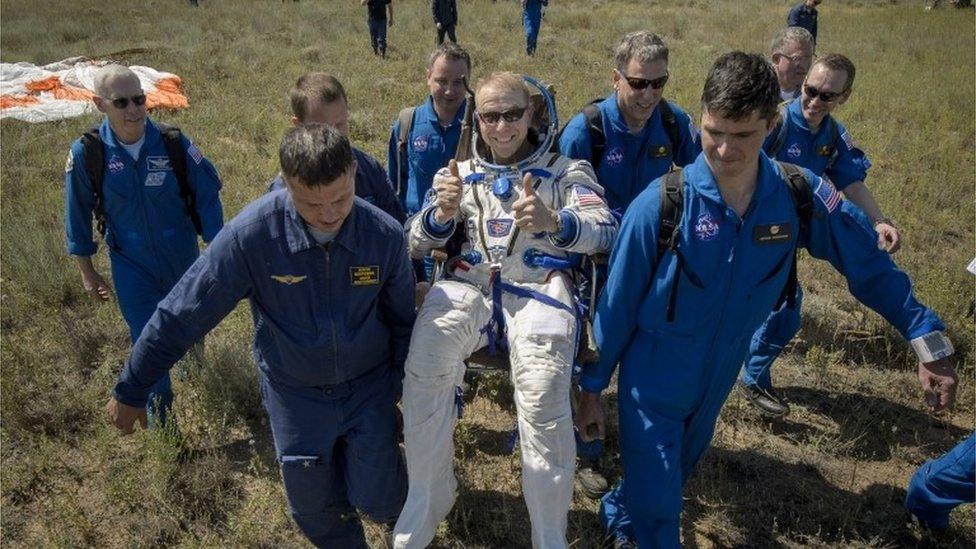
<point x="528" y="215"/>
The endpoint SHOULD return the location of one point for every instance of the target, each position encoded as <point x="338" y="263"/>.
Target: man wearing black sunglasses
<point x="807" y="135"/>
<point x="634" y="135"/>
<point x="124" y="174"/>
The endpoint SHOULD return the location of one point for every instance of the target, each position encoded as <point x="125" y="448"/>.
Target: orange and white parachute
<point x="64" y="89"/>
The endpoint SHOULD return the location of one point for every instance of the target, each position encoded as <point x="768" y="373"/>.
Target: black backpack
<point x="95" y="167"/>
<point x="669" y="234"/>
<point x="598" y="139"/>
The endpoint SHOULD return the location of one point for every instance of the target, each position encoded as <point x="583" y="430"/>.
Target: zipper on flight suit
<point x="328" y="289"/>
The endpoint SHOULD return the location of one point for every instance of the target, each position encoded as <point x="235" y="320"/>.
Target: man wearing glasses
<point x="791" y="53"/>
<point x="634" y="135"/>
<point x="151" y="192"/>
<point x="810" y="137"/>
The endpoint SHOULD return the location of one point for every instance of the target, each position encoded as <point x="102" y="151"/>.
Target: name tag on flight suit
<point x="772" y="234"/>
<point x="658" y="151"/>
<point x="364" y="275"/>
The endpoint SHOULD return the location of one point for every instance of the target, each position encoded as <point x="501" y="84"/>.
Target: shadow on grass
<point x="869" y="426"/>
<point x="764" y="498"/>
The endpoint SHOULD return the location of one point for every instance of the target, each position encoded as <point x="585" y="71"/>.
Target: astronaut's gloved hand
<point x="531" y="213"/>
<point x="449" y="190"/>
<point x="938" y="380"/>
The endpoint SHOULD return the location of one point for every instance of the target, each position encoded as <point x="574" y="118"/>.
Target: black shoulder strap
<point x="598" y="139"/>
<point x="835" y="138"/>
<point x="780" y="131"/>
<point x="672" y="202"/>
<point x="91" y="142"/>
<point x="405" y="123"/>
<point x="670" y="123"/>
<point x="803" y="201"/>
<point x="172" y="140"/>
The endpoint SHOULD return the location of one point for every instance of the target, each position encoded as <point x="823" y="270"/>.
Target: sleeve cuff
<point x="434" y="229"/>
<point x="82" y="250"/>
<point x="569" y="232"/>
<point x="592" y="384"/>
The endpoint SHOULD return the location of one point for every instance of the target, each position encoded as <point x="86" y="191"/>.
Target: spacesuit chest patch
<point x="498" y="227"/>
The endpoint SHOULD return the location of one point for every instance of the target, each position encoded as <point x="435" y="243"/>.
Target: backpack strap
<point x="91" y="142"/>
<point x="669" y="228"/>
<point x="802" y="197"/>
<point x="173" y="141"/>
<point x="670" y="123"/>
<point x="834" y="142"/>
<point x="598" y="139"/>
<point x="405" y="123"/>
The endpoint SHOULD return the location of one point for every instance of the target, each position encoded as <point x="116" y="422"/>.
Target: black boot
<point x="767" y="401"/>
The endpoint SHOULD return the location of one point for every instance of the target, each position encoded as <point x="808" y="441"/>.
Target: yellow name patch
<point x="288" y="279"/>
<point x="365" y="275"/>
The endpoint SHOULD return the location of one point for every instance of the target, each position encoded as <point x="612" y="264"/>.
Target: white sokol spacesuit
<point x="541" y="337"/>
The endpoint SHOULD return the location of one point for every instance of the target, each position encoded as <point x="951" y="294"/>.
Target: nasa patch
<point x="794" y="151"/>
<point x="614" y="157"/>
<point x="420" y="143"/>
<point x="706" y="227"/>
<point x="499" y="227"/>
<point x="115" y="164"/>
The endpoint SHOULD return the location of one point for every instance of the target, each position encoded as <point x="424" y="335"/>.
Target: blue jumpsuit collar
<point x="298" y="237"/>
<point x="616" y="118"/>
<point x="706" y="186"/>
<point x="795" y="113"/>
<point x="109" y="139"/>
<point x="431" y="114"/>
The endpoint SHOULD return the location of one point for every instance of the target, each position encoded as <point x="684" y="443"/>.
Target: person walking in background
<point x="804" y="15"/>
<point x="445" y="19"/>
<point x="531" y="21"/>
<point x="151" y="192"/>
<point x="376" y="11"/>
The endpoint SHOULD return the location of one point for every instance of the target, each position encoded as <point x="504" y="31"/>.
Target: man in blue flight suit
<point x="331" y="292"/>
<point x="146" y="221"/>
<point x="639" y="134"/>
<point x="319" y="98"/>
<point x="678" y="318"/>
<point x="804" y="15"/>
<point x="810" y="137"/>
<point x="631" y="138"/>
<point x="532" y="11"/>
<point x="425" y="137"/>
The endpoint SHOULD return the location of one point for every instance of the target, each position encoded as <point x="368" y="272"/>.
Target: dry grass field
<point x="832" y="474"/>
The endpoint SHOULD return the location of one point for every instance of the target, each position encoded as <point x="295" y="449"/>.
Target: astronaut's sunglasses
<point x="511" y="115"/>
<point x="644" y="83"/>
<point x="825" y="96"/>
<point x="123" y="102"/>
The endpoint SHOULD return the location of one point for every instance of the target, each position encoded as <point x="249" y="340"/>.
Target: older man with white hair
<point x="151" y="193"/>
<point x="791" y="53"/>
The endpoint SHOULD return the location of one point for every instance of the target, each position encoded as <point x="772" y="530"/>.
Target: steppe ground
<point x="832" y="474"/>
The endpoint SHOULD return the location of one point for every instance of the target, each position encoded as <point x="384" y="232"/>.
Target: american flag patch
<point x="194" y="153"/>
<point x="585" y="196"/>
<point x="827" y="194"/>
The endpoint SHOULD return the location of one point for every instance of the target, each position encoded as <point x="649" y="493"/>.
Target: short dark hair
<point x="838" y="62"/>
<point x="317" y="86"/>
<point x="740" y="83"/>
<point x="316" y="154"/>
<point x="451" y="51"/>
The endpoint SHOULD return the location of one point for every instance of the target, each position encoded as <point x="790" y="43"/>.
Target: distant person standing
<point x="531" y="21"/>
<point x="791" y="53"/>
<point x="445" y="19"/>
<point x="804" y="15"/>
<point x="378" y="21"/>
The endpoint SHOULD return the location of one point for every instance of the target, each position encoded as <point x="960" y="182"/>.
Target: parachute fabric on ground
<point x="64" y="89"/>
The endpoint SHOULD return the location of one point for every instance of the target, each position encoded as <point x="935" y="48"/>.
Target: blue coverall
<point x="332" y="324"/>
<point x="429" y="148"/>
<point x="372" y="185"/>
<point x="843" y="163"/>
<point x="802" y="16"/>
<point x="630" y="162"/>
<point x="531" y="21"/>
<point x="675" y="375"/>
<point x="150" y="237"/>
<point x="941" y="484"/>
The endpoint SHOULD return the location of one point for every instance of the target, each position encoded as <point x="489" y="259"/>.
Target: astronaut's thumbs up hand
<point x="449" y="191"/>
<point x="531" y="213"/>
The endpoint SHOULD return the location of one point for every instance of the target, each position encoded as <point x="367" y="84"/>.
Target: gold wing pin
<point x="288" y="279"/>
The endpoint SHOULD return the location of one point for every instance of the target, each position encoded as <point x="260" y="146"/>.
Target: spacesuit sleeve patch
<point x="364" y="275"/>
